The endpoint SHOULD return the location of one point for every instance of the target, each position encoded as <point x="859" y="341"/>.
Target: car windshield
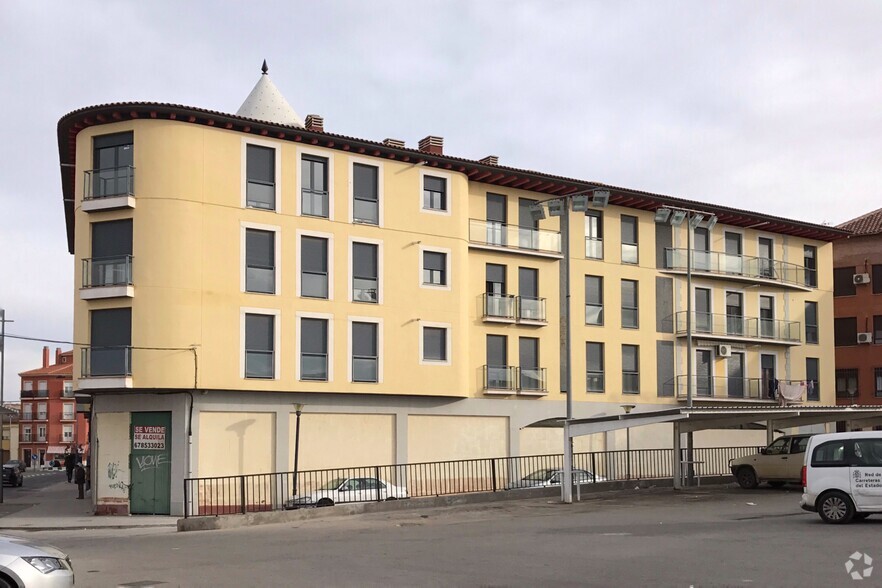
<point x="333" y="484"/>
<point x="539" y="476"/>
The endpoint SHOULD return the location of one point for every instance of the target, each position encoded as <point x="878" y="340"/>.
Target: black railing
<point x="290" y="490"/>
<point x="739" y="327"/>
<point x="730" y="264"/>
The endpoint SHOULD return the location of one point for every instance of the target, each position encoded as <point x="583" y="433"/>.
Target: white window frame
<point x="40" y="437"/>
<point x="73" y="411"/>
<point x="278" y="169"/>
<point x="350" y="276"/>
<point x="329" y="155"/>
<point x="277" y="341"/>
<point x="27" y="385"/>
<point x="330" y="238"/>
<point x="315" y="315"/>
<point x="448" y="262"/>
<point x="448" y="338"/>
<point x="26" y="434"/>
<point x="438" y="174"/>
<point x="380" y="199"/>
<point x="27" y="409"/>
<point x="277" y="251"/>
<point x="365" y="319"/>
<point x="42" y="385"/>
<point x="67" y="432"/>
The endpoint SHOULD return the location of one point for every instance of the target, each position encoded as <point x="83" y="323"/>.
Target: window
<point x="27" y="411"/>
<point x="497" y="215"/>
<point x="593" y="300"/>
<point x="810" y="262"/>
<point x="594" y="234"/>
<point x="260" y="261"/>
<point x="528" y="234"/>
<point x="594" y="365"/>
<point x="110" y="264"/>
<point x="497" y="303"/>
<point x="495" y="279"/>
<point x="813" y="378"/>
<point x="259" y="346"/>
<point x="67" y="433"/>
<point x="845" y="331"/>
<point x="629" y="239"/>
<point x="42" y="386"/>
<point x="831" y="453"/>
<point x="767" y="317"/>
<point x="110" y="343"/>
<point x="67" y="411"/>
<point x="766" y="250"/>
<point x="314" y="349"/>
<point x="365" y="352"/>
<point x="27" y="385"/>
<point x="630" y="313"/>
<point x="435" y="344"/>
<point x="112" y="160"/>
<point x="41" y="433"/>
<point x="846" y="383"/>
<point x="434" y="268"/>
<point x="365" y="273"/>
<point x="434" y="193"/>
<point x="877" y="330"/>
<point x="732" y="260"/>
<point x="703" y="318"/>
<point x="530" y="306"/>
<point x="811" y="322"/>
<point x="314" y="267"/>
<point x="701" y="258"/>
<point x="314" y="186"/>
<point x="868" y="452"/>
<point x="41" y="411"/>
<point x="498" y="374"/>
<point x="630" y="369"/>
<point x="843" y="281"/>
<point x="779" y="447"/>
<point x="260" y="189"/>
<point x="877" y="279"/>
<point x="26" y="434"/>
<point x="528" y="359"/>
<point x="734" y="313"/>
<point x="365" y="194"/>
<point x="877" y="379"/>
<point x="67" y="389"/>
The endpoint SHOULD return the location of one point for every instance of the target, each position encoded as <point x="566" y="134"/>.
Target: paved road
<point x="720" y="537"/>
<point x="33" y="482"/>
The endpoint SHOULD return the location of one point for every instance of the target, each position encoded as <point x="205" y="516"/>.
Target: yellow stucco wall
<point x="440" y="438"/>
<point x="233" y="443"/>
<point x="330" y="440"/>
<point x="111" y="469"/>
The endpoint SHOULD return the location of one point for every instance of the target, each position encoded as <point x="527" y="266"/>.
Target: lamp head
<point x="537" y="212"/>
<point x="662" y="215"/>
<point x="628" y="407"/>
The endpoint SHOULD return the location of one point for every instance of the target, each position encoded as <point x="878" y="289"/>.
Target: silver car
<point x="553" y="477"/>
<point x="25" y="564"/>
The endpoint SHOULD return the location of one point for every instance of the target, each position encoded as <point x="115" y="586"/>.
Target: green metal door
<point x="151" y="463"/>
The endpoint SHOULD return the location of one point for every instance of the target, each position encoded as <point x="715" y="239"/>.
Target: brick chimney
<point x="393" y="142"/>
<point x="57" y="355"/>
<point x="433" y="145"/>
<point x="45" y="356"/>
<point x="491" y="160"/>
<point x="314" y="122"/>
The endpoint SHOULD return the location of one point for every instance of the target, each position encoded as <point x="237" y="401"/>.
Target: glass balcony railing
<point x="109" y="182"/>
<point x="514" y="379"/>
<point x="727" y="264"/>
<point x="739" y="327"/>
<point x="107" y="271"/>
<point x="722" y="387"/>
<point x="500" y="306"/>
<point x="593" y="248"/>
<point x="531" y="309"/>
<point x="531" y="380"/>
<point x="99" y="362"/>
<point x="497" y="234"/>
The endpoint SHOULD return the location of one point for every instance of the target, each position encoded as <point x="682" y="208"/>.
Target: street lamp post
<point x="3" y="322"/>
<point x="628" y="408"/>
<point x="298" y="409"/>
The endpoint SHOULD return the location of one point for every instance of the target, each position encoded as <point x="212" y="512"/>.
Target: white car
<point x="553" y="477"/>
<point x="343" y="490"/>
<point x="27" y="565"/>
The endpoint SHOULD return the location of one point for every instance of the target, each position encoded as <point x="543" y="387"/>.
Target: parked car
<point x="342" y="490"/>
<point x="553" y="477"/>
<point x="11" y="476"/>
<point x="17" y="463"/>
<point x="778" y="464"/>
<point x="842" y="476"/>
<point x="23" y="563"/>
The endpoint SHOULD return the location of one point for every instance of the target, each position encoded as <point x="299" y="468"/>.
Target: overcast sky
<point x="769" y="106"/>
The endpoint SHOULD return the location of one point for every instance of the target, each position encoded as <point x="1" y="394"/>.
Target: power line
<point x="42" y="340"/>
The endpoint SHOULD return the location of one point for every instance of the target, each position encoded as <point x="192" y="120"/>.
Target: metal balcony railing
<point x="35" y="393"/>
<point x="500" y="306"/>
<point x="532" y="380"/>
<point x="497" y="234"/>
<point x="531" y="309"/>
<point x="108" y="182"/>
<point x="27" y="416"/>
<point x="739" y="327"/>
<point x="593" y="248"/>
<point x="727" y="264"/>
<point x="514" y="379"/>
<point x="41" y="416"/>
<point x="106" y="362"/>
<point x="107" y="271"/>
<point x="719" y="387"/>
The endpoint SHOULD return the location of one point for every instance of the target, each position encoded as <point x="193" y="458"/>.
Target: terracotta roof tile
<point x="867" y="224"/>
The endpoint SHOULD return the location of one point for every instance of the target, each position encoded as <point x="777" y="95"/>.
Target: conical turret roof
<point x="266" y="103"/>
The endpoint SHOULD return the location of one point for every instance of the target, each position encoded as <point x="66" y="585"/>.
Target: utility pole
<point x="3" y="322"/>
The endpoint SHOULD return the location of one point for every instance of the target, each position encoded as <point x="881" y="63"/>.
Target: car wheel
<point x="20" y="482"/>
<point x="325" y="502"/>
<point x="391" y="498"/>
<point x="836" y="508"/>
<point x="6" y="582"/>
<point x="776" y="484"/>
<point x="746" y="478"/>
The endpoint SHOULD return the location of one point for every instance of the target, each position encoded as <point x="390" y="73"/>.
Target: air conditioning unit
<point x="724" y="351"/>
<point x="861" y="278"/>
<point x="865" y="337"/>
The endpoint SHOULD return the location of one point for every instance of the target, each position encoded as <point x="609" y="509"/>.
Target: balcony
<point x="514" y="380"/>
<point x="506" y="308"/>
<point x="109" y="189"/>
<point x="496" y="236"/>
<point x="722" y="388"/>
<point x="41" y="416"/>
<point x="107" y="277"/>
<point x="725" y="327"/>
<point x="757" y="270"/>
<point x="27" y="416"/>
<point x="35" y="393"/>
<point x="105" y="367"/>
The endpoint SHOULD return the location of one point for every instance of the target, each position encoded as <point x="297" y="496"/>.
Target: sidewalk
<point x="55" y="507"/>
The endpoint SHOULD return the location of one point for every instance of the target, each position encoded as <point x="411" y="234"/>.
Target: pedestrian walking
<point x="70" y="461"/>
<point x="80" y="479"/>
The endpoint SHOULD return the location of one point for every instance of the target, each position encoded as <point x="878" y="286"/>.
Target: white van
<point x="842" y="476"/>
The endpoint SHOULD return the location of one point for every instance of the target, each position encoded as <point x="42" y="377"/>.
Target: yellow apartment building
<point x="233" y="266"/>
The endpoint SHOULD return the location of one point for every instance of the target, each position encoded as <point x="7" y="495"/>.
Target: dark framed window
<point x="845" y="331"/>
<point x="847" y="383"/>
<point x="365" y="352"/>
<point x="843" y="281"/>
<point x="111" y="262"/>
<point x="594" y="366"/>
<point x="313" y="349"/>
<point x="811" y="322"/>
<point x="813" y="378"/>
<point x="629" y="239"/>
<point x="113" y="161"/>
<point x="876" y="278"/>
<point x="365" y="194"/>
<point x="260" y="185"/>
<point x="260" y="261"/>
<point x="434" y="193"/>
<point x="314" y="186"/>
<point x="701" y="239"/>
<point x="259" y="346"/>
<point x="528" y="359"/>
<point x="630" y="369"/>
<point x="313" y="267"/>
<point x="365" y="273"/>
<point x="877" y="329"/>
<point x="110" y="352"/>
<point x="630" y="311"/>
<point x="593" y="300"/>
<point x="434" y="344"/>
<point x="434" y="268"/>
<point x="497" y="215"/>
<point x="877" y="379"/>
<point x="594" y="234"/>
<point x="810" y="261"/>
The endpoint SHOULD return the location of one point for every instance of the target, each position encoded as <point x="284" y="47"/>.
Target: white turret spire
<point x="266" y="103"/>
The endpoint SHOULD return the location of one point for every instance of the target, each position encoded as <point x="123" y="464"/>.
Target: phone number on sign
<point x="148" y="445"/>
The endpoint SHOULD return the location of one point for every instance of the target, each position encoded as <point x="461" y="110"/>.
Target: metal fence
<point x="288" y="490"/>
